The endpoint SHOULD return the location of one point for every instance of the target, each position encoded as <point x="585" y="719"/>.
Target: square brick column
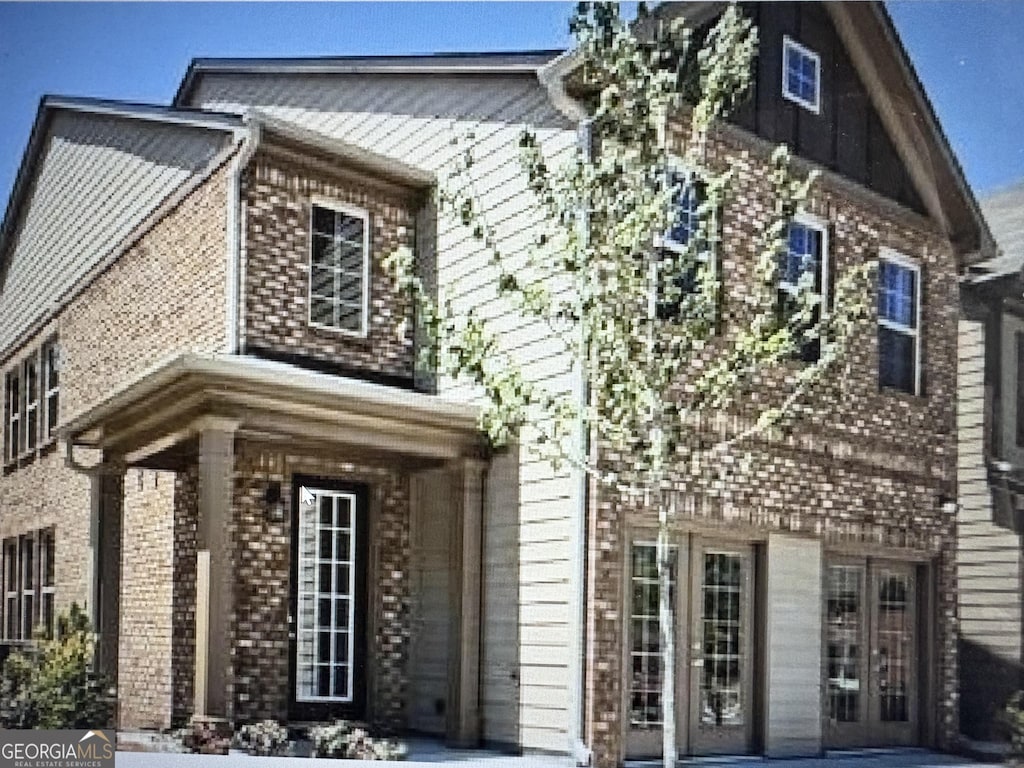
<point x="107" y="491"/>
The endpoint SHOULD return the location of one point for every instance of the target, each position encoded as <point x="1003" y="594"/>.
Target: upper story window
<point x="803" y="266"/>
<point x="681" y="235"/>
<point x="339" y="266"/>
<point x="31" y="401"/>
<point x="899" y="313"/>
<point x="801" y="75"/>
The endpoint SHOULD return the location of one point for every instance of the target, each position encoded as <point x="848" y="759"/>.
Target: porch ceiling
<point x="170" y="404"/>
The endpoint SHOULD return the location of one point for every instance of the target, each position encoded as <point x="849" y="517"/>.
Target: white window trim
<point x="12" y="448"/>
<point x="895" y="257"/>
<point x="676" y="167"/>
<point x="31" y="402"/>
<point x="819" y="225"/>
<point x="353" y="553"/>
<point x="788" y="44"/>
<point x="47" y="391"/>
<point x="349" y="210"/>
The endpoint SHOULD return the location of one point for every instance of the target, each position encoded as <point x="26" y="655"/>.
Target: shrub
<point x="52" y="683"/>
<point x="267" y="738"/>
<point x="347" y="740"/>
<point x="206" y="737"/>
<point x="1013" y="719"/>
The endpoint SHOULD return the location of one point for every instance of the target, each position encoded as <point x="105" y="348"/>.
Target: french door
<point x="871" y="653"/>
<point x="328" y="605"/>
<point x="714" y="649"/>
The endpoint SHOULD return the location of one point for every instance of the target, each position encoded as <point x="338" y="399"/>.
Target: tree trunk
<point x="666" y="623"/>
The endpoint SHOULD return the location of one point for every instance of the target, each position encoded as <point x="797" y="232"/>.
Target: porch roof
<point x="172" y="402"/>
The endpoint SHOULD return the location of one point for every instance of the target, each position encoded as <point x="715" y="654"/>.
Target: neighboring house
<point x="217" y="439"/>
<point x="990" y="431"/>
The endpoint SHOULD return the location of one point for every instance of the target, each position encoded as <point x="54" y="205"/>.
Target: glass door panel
<point x="846" y="668"/>
<point x="722" y="640"/>
<point x="894" y="655"/>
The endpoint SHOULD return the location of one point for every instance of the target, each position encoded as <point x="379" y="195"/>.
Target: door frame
<point x="870" y="731"/>
<point x="357" y="708"/>
<point x="689" y="544"/>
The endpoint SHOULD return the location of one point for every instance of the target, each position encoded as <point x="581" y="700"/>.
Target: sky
<point x="968" y="54"/>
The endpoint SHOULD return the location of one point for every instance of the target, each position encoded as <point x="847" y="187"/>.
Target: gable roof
<point x="103" y="167"/>
<point x="498" y="62"/>
<point x="1004" y="210"/>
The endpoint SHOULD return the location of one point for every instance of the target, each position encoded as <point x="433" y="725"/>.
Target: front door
<point x="328" y="606"/>
<point x="714" y="649"/>
<point x="871" y="654"/>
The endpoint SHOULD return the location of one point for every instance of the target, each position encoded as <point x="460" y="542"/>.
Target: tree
<point x="633" y="293"/>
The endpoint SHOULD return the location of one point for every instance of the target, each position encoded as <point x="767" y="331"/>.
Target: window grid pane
<point x="845" y="621"/>
<point x="338" y="254"/>
<point x="897" y="326"/>
<point x="801" y="82"/>
<point x="893" y="646"/>
<point x="326" y="576"/>
<point x="721" y="688"/>
<point x="645" y="646"/>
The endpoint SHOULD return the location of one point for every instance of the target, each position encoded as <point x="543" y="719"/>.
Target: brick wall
<point x="259" y="684"/>
<point x="866" y="468"/>
<point x="147" y="581"/>
<point x="165" y="295"/>
<point x="278" y="196"/>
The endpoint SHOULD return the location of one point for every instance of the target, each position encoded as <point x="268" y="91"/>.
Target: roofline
<point x="49" y="104"/>
<point x="486" y="63"/>
<point x="986" y="245"/>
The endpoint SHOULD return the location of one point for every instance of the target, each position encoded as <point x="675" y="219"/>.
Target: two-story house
<point x="217" y="439"/>
<point x="990" y="431"/>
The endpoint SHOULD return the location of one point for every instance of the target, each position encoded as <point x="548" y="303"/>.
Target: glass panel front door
<point x="328" y="599"/>
<point x="871" y="656"/>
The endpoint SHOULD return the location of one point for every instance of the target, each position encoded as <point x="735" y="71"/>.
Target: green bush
<point x="265" y="738"/>
<point x="347" y="740"/>
<point x="52" y="683"/>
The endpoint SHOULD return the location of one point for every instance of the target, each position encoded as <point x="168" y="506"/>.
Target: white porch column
<point x="213" y="566"/>
<point x="463" y="727"/>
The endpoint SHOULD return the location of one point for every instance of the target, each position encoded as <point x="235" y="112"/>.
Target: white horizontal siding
<point x="98" y="178"/>
<point x="529" y="510"/>
<point x="988" y="557"/>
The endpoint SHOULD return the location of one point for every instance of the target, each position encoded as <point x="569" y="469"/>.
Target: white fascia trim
<point x="360" y="396"/>
<point x="153" y="113"/>
<point x="552" y="77"/>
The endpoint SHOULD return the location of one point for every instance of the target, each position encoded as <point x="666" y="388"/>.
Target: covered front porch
<point x="324" y="550"/>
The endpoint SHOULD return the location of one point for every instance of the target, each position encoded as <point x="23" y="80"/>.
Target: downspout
<point x="552" y="77"/>
<point x="235" y="237"/>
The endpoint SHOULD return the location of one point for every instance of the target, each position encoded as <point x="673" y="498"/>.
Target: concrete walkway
<point x="428" y="755"/>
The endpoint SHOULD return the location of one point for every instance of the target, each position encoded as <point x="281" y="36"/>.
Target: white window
<point x="339" y="266"/>
<point x="12" y="619"/>
<point x="12" y="414"/>
<point x="28" y="573"/>
<point x="680" y="240"/>
<point x="51" y="387"/>
<point x="325" y="643"/>
<point x="803" y="266"/>
<point x="801" y="75"/>
<point x="31" y="385"/>
<point x="899" y="313"/>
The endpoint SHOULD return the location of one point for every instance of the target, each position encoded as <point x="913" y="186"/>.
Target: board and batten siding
<point x="529" y="509"/>
<point x="99" y="177"/>
<point x="988" y="557"/>
<point x="793" y="636"/>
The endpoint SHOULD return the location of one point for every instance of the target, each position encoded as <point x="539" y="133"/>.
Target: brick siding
<point x="869" y="468"/>
<point x="278" y="199"/>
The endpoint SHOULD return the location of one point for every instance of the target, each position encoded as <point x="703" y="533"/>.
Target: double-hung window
<point x="29" y="585"/>
<point x="12" y="414"/>
<point x="31" y="384"/>
<point x="339" y="267"/>
<point x="803" y="267"/>
<point x="51" y="387"/>
<point x="899" y="314"/>
<point x="801" y="75"/>
<point x="680" y="241"/>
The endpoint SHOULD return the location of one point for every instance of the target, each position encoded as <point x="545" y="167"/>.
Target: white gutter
<point x="552" y="77"/>
<point x="235" y="235"/>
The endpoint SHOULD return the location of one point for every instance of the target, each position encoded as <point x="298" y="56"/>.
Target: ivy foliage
<point x="661" y="340"/>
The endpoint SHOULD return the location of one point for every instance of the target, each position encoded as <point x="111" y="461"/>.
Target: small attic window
<point x="801" y="75"/>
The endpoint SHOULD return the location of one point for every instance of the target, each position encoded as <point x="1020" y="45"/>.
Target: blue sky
<point x="967" y="52"/>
